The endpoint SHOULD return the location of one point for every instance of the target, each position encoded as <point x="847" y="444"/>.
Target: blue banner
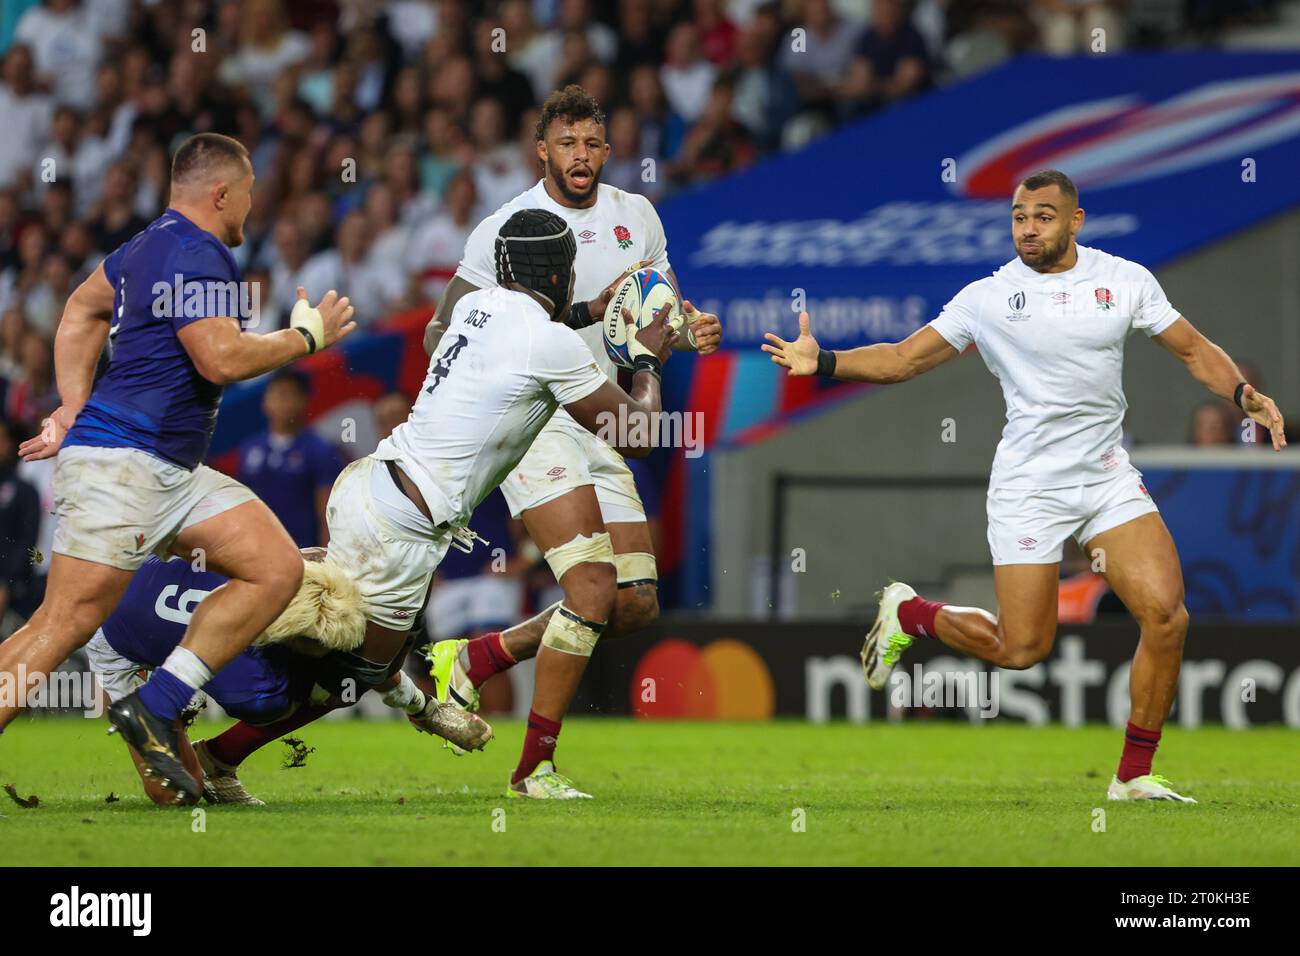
<point x="873" y="228"/>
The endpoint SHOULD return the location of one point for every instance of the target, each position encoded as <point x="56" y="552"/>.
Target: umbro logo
<point x="1027" y="544"/>
<point x="555" y="473"/>
<point x="587" y="236"/>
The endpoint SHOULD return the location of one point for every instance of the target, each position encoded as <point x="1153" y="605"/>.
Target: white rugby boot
<point x="545" y="784"/>
<point x="886" y="641"/>
<point x="221" y="781"/>
<point x="1152" y="786"/>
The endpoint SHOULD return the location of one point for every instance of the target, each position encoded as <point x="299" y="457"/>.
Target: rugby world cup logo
<point x="1122" y="140"/>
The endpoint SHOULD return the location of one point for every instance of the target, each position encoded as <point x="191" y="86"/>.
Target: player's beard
<point x="562" y="184"/>
<point x="1047" y="256"/>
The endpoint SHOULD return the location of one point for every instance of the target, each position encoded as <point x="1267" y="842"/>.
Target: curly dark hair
<point x="573" y="103"/>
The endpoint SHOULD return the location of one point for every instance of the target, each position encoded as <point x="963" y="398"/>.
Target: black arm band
<point x="311" y="342"/>
<point x="1236" y="396"/>
<point x="579" y="316"/>
<point x="826" y="363"/>
<point x="648" y="363"/>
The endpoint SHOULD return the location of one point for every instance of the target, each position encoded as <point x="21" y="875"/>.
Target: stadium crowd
<point x="383" y="130"/>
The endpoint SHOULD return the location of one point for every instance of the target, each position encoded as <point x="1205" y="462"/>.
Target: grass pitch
<point x="670" y="793"/>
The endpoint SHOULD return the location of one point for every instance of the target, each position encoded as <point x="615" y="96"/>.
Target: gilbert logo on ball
<point x="643" y="294"/>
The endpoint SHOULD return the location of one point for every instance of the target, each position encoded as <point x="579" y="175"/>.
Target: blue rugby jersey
<point x="152" y="397"/>
<point x="151" y="619"/>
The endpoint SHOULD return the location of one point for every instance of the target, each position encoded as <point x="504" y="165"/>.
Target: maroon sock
<point x="916" y="617"/>
<point x="233" y="746"/>
<point x="487" y="655"/>
<point x="539" y="745"/>
<point x="1139" y="747"/>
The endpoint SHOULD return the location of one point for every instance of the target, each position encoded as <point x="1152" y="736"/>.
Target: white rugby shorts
<point x="117" y="506"/>
<point x="383" y="540"/>
<point x="1030" y="527"/>
<point x="565" y="456"/>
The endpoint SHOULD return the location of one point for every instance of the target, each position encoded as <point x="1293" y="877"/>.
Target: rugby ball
<point x="643" y="294"/>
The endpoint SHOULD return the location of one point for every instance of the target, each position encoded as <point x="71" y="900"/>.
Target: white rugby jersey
<point x="1056" y="343"/>
<point x="499" y="373"/>
<point x="619" y="230"/>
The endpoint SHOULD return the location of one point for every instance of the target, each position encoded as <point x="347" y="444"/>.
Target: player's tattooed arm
<point x="626" y="420"/>
<point x="1213" y="368"/>
<point x="456" y="289"/>
<point x="883" y="364"/>
<point x="703" y="330"/>
<point x="80" y="339"/>
<point x="223" y="353"/>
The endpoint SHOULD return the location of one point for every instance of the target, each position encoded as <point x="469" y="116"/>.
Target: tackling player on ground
<point x="294" y="673"/>
<point x="571" y="486"/>
<point x="129" y="480"/>
<point x="1051" y="326"/>
<point x="504" y="366"/>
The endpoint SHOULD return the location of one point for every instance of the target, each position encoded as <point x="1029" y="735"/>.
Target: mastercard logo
<point x="723" y="680"/>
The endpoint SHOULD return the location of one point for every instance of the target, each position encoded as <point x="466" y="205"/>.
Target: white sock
<point x="405" y="696"/>
<point x="186" y="666"/>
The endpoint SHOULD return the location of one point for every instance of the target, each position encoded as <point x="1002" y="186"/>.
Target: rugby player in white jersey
<point x="504" y="366"/>
<point x="1051" y="326"/>
<point x="571" y="484"/>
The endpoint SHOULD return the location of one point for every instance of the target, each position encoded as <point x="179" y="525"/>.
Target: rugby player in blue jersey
<point x="295" y="672"/>
<point x="130" y="480"/>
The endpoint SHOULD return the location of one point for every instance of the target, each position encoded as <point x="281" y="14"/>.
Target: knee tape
<point x="571" y="634"/>
<point x="582" y="549"/>
<point x="636" y="567"/>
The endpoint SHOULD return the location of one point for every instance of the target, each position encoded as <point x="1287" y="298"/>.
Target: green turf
<point x="689" y="793"/>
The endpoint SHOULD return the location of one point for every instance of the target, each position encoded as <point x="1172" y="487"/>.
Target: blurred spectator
<point x="290" y="254"/>
<point x="686" y="75"/>
<point x="33" y="394"/>
<point x="1213" y="423"/>
<point x="818" y="57"/>
<point x="267" y="48"/>
<point x="374" y="284"/>
<point x="289" y="466"/>
<point x="717" y="144"/>
<point x="1067" y="25"/>
<point x="764" y="97"/>
<point x="390" y="410"/>
<point x="437" y="247"/>
<point x="13" y="330"/>
<point x="718" y="34"/>
<point x="66" y="44"/>
<point x="627" y="168"/>
<point x="20" y="512"/>
<point x="890" y="62"/>
<point x="26" y="115"/>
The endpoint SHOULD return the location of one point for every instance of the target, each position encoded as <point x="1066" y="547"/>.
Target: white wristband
<point x="310" y="321"/>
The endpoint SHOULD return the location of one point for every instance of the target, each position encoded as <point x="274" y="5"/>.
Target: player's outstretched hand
<point x="702" y="328"/>
<point x="799" y="356"/>
<point x="1263" y="410"/>
<point x="598" y="305"/>
<point x="330" y="321"/>
<point x="658" y="337"/>
<point x="46" y="444"/>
